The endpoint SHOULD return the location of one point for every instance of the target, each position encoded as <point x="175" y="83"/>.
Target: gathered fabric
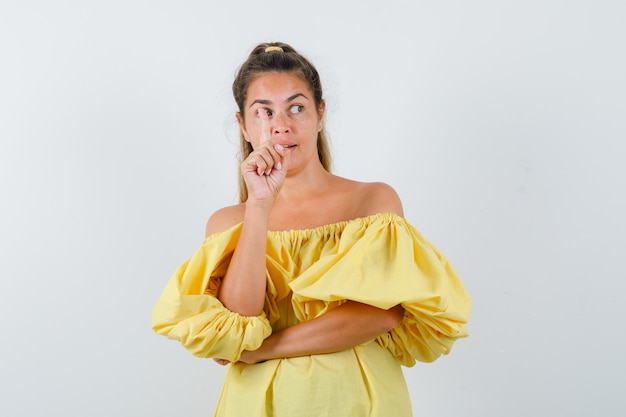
<point x="380" y="260"/>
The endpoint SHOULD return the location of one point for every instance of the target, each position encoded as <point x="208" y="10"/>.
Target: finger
<point x="262" y="164"/>
<point x="283" y="156"/>
<point x="265" y="162"/>
<point x="275" y="157"/>
<point x="266" y="158"/>
<point x="258" y="162"/>
<point x="254" y="162"/>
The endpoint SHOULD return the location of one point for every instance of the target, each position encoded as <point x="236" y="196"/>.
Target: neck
<point x="302" y="186"/>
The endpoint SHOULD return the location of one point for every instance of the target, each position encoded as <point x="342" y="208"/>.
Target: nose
<point x="280" y="124"/>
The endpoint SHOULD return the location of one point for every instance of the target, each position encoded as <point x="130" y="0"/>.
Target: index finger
<point x="265" y="125"/>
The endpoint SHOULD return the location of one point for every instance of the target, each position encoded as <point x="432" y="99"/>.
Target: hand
<point x="222" y="362"/>
<point x="249" y="357"/>
<point x="264" y="170"/>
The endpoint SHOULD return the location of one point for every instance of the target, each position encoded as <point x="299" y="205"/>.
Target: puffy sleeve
<point x="384" y="264"/>
<point x="189" y="311"/>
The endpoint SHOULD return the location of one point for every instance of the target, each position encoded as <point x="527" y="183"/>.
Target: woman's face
<point x="293" y="120"/>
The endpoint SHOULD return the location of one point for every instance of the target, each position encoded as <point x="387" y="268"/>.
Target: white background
<point x="501" y="124"/>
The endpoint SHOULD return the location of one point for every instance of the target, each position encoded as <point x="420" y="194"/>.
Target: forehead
<point x="276" y="86"/>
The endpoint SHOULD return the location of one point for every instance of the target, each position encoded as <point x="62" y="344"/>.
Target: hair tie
<point x="274" y="48"/>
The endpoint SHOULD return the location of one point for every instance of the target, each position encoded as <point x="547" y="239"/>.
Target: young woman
<point x="314" y="290"/>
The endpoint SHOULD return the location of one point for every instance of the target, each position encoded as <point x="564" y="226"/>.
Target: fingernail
<point x="281" y="147"/>
<point x="279" y="166"/>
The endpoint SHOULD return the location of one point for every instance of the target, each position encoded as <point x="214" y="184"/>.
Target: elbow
<point x="243" y="307"/>
<point x="244" y="310"/>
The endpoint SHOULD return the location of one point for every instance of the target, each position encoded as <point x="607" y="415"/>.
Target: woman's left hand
<point x="247" y="356"/>
<point x="250" y="357"/>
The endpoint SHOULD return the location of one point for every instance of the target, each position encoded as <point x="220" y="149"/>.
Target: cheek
<point x="311" y="125"/>
<point x="251" y="133"/>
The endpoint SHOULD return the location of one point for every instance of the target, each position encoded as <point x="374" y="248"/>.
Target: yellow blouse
<point x="380" y="260"/>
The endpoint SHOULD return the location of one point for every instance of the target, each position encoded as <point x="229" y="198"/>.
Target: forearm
<point x="344" y="327"/>
<point x="243" y="287"/>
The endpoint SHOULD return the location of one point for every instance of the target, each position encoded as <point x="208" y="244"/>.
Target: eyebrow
<point x="290" y="98"/>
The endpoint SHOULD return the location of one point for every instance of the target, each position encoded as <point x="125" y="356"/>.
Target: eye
<point x="267" y="111"/>
<point x="296" y="109"/>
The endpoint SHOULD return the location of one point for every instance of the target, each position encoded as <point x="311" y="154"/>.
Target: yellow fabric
<point x="380" y="260"/>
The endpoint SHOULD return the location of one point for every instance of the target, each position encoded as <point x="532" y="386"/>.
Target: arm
<point x="346" y="326"/>
<point x="242" y="289"/>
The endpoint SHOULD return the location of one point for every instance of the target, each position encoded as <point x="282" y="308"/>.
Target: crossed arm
<point x="344" y="327"/>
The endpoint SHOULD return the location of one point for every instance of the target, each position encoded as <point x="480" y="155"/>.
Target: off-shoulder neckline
<point x="324" y="228"/>
<point x="341" y="224"/>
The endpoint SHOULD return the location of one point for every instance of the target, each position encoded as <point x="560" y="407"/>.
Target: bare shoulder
<point x="375" y="197"/>
<point x="381" y="198"/>
<point x="224" y="218"/>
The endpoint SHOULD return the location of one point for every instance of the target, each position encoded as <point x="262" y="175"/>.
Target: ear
<point x="242" y="125"/>
<point x="320" y="113"/>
